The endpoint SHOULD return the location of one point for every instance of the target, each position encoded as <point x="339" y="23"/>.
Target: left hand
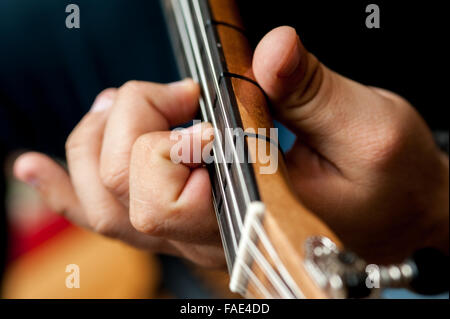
<point x="154" y="204"/>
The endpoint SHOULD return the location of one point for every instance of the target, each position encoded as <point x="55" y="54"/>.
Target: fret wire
<point x="225" y="24"/>
<point x="189" y="55"/>
<point x="195" y="46"/>
<point x="227" y="209"/>
<point x="274" y="255"/>
<point x="258" y="257"/>
<point x="245" y="290"/>
<point x="250" y="295"/>
<point x="233" y="231"/>
<point x="220" y="98"/>
<point x="278" y="284"/>
<point x="276" y="281"/>
<point x="206" y="92"/>
<point x="258" y="283"/>
<point x="247" y="250"/>
<point x="201" y="79"/>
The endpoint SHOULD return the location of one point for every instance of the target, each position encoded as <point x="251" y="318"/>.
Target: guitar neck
<point x="269" y="237"/>
<point x="202" y="57"/>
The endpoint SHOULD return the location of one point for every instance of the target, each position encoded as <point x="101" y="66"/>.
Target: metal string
<point x="253" y="250"/>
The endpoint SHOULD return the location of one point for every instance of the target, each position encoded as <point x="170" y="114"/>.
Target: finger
<point x="204" y="255"/>
<point x="167" y="199"/>
<point x="330" y="113"/>
<point x="82" y="151"/>
<point x="103" y="212"/>
<point x="51" y="180"/>
<point x="53" y="184"/>
<point x="141" y="107"/>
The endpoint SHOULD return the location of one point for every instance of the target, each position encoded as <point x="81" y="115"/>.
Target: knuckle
<point x="147" y="144"/>
<point x="131" y="87"/>
<point x="210" y="262"/>
<point x="144" y="223"/>
<point x="214" y="263"/>
<point x="388" y="143"/>
<point x="78" y="140"/>
<point x="115" y="178"/>
<point x="316" y="84"/>
<point x="142" y="142"/>
<point x="108" y="91"/>
<point x="73" y="145"/>
<point x="313" y="96"/>
<point x="152" y="217"/>
<point x="394" y="137"/>
<point x="206" y="257"/>
<point x="138" y="92"/>
<point x="140" y="150"/>
<point x="104" y="226"/>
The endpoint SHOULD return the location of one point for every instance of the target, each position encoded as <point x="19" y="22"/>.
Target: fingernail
<point x="102" y="102"/>
<point x="293" y="61"/>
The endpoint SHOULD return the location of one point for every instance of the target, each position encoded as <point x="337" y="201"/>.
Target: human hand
<point x="364" y="160"/>
<point x="122" y="182"/>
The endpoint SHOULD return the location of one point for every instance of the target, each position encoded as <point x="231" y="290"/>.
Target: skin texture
<point x="364" y="161"/>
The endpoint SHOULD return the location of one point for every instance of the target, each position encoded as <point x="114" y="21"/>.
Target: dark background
<point x="50" y="75"/>
<point x="406" y="55"/>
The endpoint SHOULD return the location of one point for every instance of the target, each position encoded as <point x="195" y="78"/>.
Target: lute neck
<point x="234" y="186"/>
<point x="266" y="233"/>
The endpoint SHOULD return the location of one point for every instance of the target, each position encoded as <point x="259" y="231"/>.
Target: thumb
<point x="319" y="105"/>
<point x="51" y="181"/>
